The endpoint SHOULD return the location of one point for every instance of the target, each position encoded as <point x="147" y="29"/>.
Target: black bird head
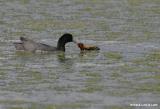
<point x="65" y="38"/>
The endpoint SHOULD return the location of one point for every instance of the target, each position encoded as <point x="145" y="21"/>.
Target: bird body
<point x="87" y="47"/>
<point x="31" y="46"/>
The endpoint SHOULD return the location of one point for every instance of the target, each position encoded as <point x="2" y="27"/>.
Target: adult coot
<point x="30" y="45"/>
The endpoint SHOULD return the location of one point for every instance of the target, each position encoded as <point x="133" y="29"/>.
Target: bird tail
<point x="23" y="39"/>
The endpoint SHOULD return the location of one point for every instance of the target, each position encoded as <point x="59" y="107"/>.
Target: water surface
<point x="124" y="71"/>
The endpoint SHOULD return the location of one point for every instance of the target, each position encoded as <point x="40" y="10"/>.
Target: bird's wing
<point x="18" y="45"/>
<point x="45" y="47"/>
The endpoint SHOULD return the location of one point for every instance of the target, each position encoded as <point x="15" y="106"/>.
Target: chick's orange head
<point x="81" y="46"/>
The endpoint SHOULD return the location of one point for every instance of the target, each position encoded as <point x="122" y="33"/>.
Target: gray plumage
<point x="30" y="45"/>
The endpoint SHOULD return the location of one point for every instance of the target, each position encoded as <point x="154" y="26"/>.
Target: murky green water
<point x="126" y="70"/>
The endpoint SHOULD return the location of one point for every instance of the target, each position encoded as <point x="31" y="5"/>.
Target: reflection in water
<point x="61" y="56"/>
<point x="66" y="63"/>
<point x="89" y="53"/>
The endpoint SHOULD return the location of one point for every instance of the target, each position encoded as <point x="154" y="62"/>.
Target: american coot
<point x="30" y="45"/>
<point x="87" y="47"/>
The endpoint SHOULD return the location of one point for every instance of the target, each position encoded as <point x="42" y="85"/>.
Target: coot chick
<point x="30" y="45"/>
<point x="87" y="47"/>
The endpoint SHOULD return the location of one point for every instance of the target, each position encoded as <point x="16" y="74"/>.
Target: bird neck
<point x="61" y="46"/>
